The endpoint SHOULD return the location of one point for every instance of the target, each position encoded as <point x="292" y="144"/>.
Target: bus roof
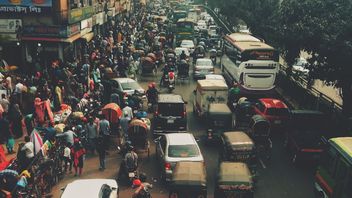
<point x="247" y="42"/>
<point x="236" y="37"/>
<point x="344" y="146"/>
<point x="184" y="20"/>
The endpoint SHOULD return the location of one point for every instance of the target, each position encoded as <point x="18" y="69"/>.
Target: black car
<point x="170" y="114"/>
<point x="306" y="134"/>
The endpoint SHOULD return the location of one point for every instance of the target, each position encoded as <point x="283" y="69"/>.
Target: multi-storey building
<point x="43" y="30"/>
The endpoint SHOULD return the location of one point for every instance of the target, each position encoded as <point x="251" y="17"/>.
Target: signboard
<point x="10" y="25"/>
<point x="86" y="26"/>
<point x="79" y="14"/>
<point x="25" y="6"/>
<point x="51" y="31"/>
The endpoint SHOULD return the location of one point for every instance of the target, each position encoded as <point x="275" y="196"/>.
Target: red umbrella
<point x="112" y="111"/>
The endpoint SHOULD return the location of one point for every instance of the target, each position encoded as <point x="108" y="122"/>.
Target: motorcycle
<point x="171" y="81"/>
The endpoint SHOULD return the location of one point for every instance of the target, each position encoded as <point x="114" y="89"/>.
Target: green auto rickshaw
<point x="219" y="119"/>
<point x="234" y="181"/>
<point x="188" y="180"/>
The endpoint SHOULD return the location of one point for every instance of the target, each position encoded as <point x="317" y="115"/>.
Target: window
<point x="231" y="52"/>
<point x="171" y="109"/>
<point x="260" y="106"/>
<point x="183" y="150"/>
<point x="277" y="111"/>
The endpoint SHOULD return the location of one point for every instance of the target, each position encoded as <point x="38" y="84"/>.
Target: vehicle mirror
<point x="197" y="139"/>
<point x="113" y="188"/>
<point x="157" y="140"/>
<point x="185" y="102"/>
<point x="63" y="188"/>
<point x="118" y="149"/>
<point x="194" y="91"/>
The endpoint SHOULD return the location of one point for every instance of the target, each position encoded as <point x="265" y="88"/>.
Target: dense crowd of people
<point x="35" y="106"/>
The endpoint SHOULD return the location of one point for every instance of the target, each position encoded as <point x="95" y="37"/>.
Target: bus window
<point x="230" y="52"/>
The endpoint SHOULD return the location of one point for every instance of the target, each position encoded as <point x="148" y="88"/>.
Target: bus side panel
<point x="230" y="70"/>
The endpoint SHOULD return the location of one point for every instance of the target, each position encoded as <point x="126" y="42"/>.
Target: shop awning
<point x="50" y="39"/>
<point x="72" y="38"/>
<point x="88" y="37"/>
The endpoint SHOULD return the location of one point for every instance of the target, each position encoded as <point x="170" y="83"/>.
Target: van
<point x="207" y="92"/>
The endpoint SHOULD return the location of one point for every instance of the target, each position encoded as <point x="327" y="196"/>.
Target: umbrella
<point x="37" y="140"/>
<point x="112" y="112"/>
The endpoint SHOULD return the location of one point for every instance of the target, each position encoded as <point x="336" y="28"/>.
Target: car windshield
<point x="204" y="62"/>
<point x="278" y="112"/>
<point x="190" y="150"/>
<point x="171" y="109"/>
<point x="130" y="86"/>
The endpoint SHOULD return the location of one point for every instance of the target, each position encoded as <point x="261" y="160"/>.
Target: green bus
<point x="184" y="30"/>
<point x="178" y="14"/>
<point x="333" y="178"/>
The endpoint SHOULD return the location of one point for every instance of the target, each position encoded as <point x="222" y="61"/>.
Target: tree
<point x="323" y="28"/>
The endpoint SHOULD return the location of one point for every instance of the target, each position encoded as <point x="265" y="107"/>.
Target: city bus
<point x="250" y="63"/>
<point x="178" y="14"/>
<point x="184" y="30"/>
<point x="333" y="178"/>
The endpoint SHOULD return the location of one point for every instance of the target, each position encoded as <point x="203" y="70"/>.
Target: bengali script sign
<point x="25" y="6"/>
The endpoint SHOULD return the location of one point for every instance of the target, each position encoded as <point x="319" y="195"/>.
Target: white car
<point x="174" y="147"/>
<point x="128" y="86"/>
<point x="299" y="67"/>
<point x="91" y="188"/>
<point x="203" y="67"/>
<point x="188" y="44"/>
<point x="178" y="51"/>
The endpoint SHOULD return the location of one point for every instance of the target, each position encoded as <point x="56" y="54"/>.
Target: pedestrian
<point x="4" y="103"/>
<point x="104" y="131"/>
<point x="28" y="149"/>
<point x="15" y="118"/>
<point x="124" y="122"/>
<point x="69" y="135"/>
<point x="67" y="157"/>
<point x="92" y="132"/>
<point x="129" y="110"/>
<point x="5" y="128"/>
<point x="78" y="153"/>
<point x="101" y="151"/>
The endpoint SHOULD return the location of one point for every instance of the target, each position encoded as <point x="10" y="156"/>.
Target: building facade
<point x="44" y="30"/>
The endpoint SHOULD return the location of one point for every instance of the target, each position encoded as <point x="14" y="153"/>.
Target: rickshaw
<point x="243" y="113"/>
<point x="234" y="180"/>
<point x="148" y="65"/>
<point x="237" y="146"/>
<point x="259" y="131"/>
<point x="183" y="70"/>
<point x="138" y="135"/>
<point x="199" y="52"/>
<point x="219" y="119"/>
<point x="188" y="180"/>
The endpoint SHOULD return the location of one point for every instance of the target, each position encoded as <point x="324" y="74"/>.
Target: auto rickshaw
<point x="219" y="119"/>
<point x="234" y="180"/>
<point x="148" y="65"/>
<point x="199" y="52"/>
<point x="188" y="180"/>
<point x="183" y="70"/>
<point x="237" y="146"/>
<point x="243" y="113"/>
<point x="138" y="135"/>
<point x="259" y="131"/>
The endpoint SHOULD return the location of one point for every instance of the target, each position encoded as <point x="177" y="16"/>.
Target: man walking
<point x="104" y="131"/>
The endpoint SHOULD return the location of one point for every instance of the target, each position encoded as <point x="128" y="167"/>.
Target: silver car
<point x="203" y="66"/>
<point x="128" y="86"/>
<point x="175" y="147"/>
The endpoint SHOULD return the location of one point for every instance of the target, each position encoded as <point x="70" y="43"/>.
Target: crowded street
<point x="156" y="99"/>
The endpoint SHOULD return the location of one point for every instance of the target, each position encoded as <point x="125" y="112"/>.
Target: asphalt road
<point x="277" y="178"/>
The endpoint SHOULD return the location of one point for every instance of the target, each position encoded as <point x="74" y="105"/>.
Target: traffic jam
<point x="179" y="107"/>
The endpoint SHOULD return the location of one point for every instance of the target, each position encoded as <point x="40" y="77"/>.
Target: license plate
<point x="170" y="121"/>
<point x="131" y="174"/>
<point x="277" y="122"/>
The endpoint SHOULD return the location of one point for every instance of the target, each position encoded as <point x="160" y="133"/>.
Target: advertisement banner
<point x="79" y="14"/>
<point x="10" y="25"/>
<point x="25" y="6"/>
<point x="51" y="31"/>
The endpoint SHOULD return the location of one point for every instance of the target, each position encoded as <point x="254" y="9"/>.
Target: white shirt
<point x="29" y="149"/>
<point x="18" y="88"/>
<point x="67" y="152"/>
<point x="128" y="110"/>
